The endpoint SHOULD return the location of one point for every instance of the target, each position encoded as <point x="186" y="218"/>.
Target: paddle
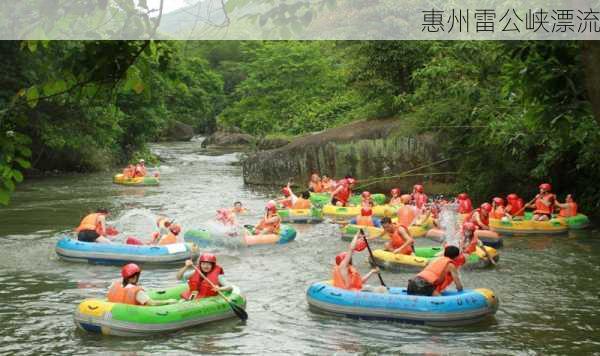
<point x="525" y="206"/>
<point x="239" y="311"/>
<point x="371" y="255"/>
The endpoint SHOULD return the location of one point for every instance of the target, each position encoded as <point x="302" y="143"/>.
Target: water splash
<point x="448" y="219"/>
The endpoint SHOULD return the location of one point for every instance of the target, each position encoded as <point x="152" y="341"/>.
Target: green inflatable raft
<point x="103" y="317"/>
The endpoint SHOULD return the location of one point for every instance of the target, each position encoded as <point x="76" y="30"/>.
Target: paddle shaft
<point x="525" y="206"/>
<point x="371" y="255"/>
<point x="239" y="311"/>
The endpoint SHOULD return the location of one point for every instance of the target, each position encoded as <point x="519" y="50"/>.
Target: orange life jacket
<point x="197" y="283"/>
<point x="273" y="227"/>
<point x="168" y="239"/>
<point x="498" y="213"/>
<point x="397" y="240"/>
<point x="124" y="295"/>
<point x="287" y="203"/>
<point x="406" y="215"/>
<point x="301" y="203"/>
<point x="435" y="272"/>
<point x="364" y="221"/>
<point x="316" y="187"/>
<point x="91" y="222"/>
<point x="355" y="278"/>
<point x="570" y="210"/>
<point x="459" y="261"/>
<point x="540" y="208"/>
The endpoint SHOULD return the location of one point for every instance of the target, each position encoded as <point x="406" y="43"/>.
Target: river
<point x="549" y="298"/>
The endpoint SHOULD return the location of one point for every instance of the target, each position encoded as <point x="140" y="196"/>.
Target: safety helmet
<point x="365" y="195"/>
<point x="512" y="196"/>
<point x="271" y="205"/>
<point x="419" y="188"/>
<point x="395" y="192"/>
<point x="129" y="270"/>
<point x="175" y="229"/>
<point x="208" y="257"/>
<point x="487" y="207"/>
<point x="340" y="257"/>
<point x="285" y="191"/>
<point x="546" y="187"/>
<point x="463" y="196"/>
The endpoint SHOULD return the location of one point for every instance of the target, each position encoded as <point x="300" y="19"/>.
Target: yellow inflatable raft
<point x="397" y="262"/>
<point x="529" y="227"/>
<point x="137" y="181"/>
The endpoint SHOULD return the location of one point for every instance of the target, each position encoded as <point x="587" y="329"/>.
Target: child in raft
<point x="395" y="199"/>
<point x="345" y="276"/>
<point x="401" y="241"/>
<point x="129" y="292"/>
<point x="437" y="275"/>
<point x="366" y="201"/>
<point x="204" y="285"/>
<point x="468" y="241"/>
<point x="270" y="222"/>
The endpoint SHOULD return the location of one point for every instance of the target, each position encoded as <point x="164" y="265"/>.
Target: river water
<point x="549" y="297"/>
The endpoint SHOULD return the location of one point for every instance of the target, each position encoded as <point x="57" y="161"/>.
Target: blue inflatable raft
<point x="70" y="249"/>
<point x="449" y="309"/>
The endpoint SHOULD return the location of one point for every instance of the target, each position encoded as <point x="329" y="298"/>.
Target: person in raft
<point x="226" y="217"/>
<point x="407" y="214"/>
<point x="514" y="207"/>
<point x="418" y="196"/>
<point x="289" y="198"/>
<point x="238" y="208"/>
<point x="270" y="222"/>
<point x="468" y="241"/>
<point x="129" y="171"/>
<point x="315" y="185"/>
<point x="303" y="201"/>
<point x="140" y="169"/>
<point x="432" y="280"/>
<point x="129" y="292"/>
<point x="544" y="203"/>
<point x="366" y="201"/>
<point x="498" y="209"/>
<point x="366" y="218"/>
<point x="401" y="241"/>
<point x="568" y="208"/>
<point x="343" y="191"/>
<point x="395" y="197"/>
<point x="327" y="184"/>
<point x="172" y="237"/>
<point x="92" y="227"/>
<point x="481" y="216"/>
<point x="199" y="287"/>
<point x="345" y="276"/>
<point x="465" y="206"/>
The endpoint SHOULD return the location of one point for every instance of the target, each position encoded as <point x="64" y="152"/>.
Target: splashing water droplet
<point x="448" y="219"/>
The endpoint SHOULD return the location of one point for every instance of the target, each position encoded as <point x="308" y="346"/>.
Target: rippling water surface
<point x="548" y="289"/>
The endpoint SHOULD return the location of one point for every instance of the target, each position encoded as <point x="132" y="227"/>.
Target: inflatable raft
<point x="103" y="317"/>
<point x="203" y="238"/>
<point x="488" y="237"/>
<point x="322" y="199"/>
<point x="137" y="181"/>
<point x="579" y="221"/>
<point x="350" y="230"/>
<point x="348" y="212"/>
<point x="529" y="227"/>
<point x="301" y="216"/>
<point x="452" y="308"/>
<point x="397" y="262"/>
<point x="70" y="249"/>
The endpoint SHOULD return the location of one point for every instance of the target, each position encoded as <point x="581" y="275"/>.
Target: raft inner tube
<point x="203" y="238"/>
<point x="529" y="227"/>
<point x="103" y="317"/>
<point x="452" y="308"/>
<point x="137" y="181"/>
<point x="398" y="263"/>
<point x="301" y="216"/>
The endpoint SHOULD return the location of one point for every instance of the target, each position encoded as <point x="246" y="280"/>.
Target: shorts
<point x="87" y="236"/>
<point x="419" y="286"/>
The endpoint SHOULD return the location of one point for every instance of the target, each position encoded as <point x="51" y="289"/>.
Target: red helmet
<point x="129" y="270"/>
<point x="271" y="206"/>
<point x="366" y="212"/>
<point x="487" y="207"/>
<point x="546" y="187"/>
<point x="463" y="196"/>
<point x="365" y="195"/>
<point x="512" y="196"/>
<point x="469" y="226"/>
<point x="395" y="192"/>
<point x="340" y="257"/>
<point x="498" y="201"/>
<point x="208" y="257"/>
<point x="175" y="229"/>
<point x="285" y="191"/>
<point x="419" y="188"/>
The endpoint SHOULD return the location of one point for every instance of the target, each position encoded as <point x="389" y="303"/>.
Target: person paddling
<point x="514" y="206"/>
<point x="544" y="203"/>
<point x="92" y="227"/>
<point x="431" y="281"/>
<point x="270" y="222"/>
<point x="345" y="276"/>
<point x="199" y="287"/>
<point x="129" y="292"/>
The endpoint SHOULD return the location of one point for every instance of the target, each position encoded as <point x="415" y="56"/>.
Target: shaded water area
<point x="547" y="285"/>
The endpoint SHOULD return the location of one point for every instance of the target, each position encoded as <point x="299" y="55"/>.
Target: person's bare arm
<point x="456" y="277"/>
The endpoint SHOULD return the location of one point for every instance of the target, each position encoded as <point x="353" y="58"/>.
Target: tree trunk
<point x="591" y="68"/>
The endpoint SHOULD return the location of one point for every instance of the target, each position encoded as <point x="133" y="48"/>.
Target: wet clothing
<point x="129" y="294"/>
<point x="87" y="235"/>
<point x="354" y="276"/>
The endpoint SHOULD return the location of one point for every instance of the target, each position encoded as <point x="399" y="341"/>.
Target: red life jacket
<point x="515" y="206"/>
<point x="541" y="208"/>
<point x="571" y="210"/>
<point x="485" y="220"/>
<point x="498" y="213"/>
<point x="345" y="193"/>
<point x="465" y="206"/>
<point x="197" y="283"/>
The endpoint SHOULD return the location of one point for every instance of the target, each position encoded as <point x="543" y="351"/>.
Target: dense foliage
<point x="510" y="114"/>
